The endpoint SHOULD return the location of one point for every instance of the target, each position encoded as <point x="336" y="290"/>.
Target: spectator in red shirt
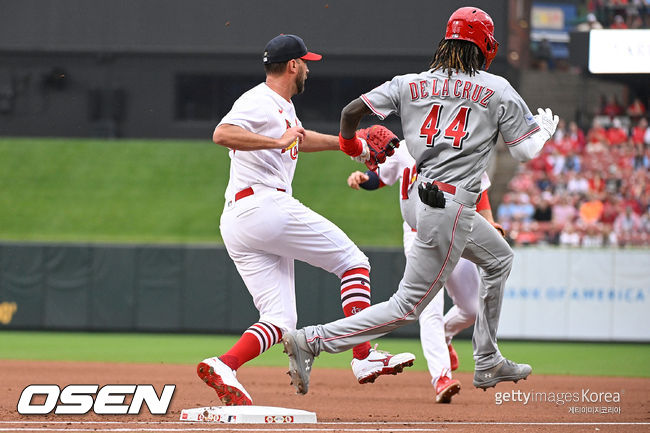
<point x="596" y="133"/>
<point x="596" y="182"/>
<point x="619" y="23"/>
<point x="636" y="109"/>
<point x="613" y="108"/>
<point x="610" y="210"/>
<point x="639" y="131"/>
<point x="541" y="163"/>
<point x="616" y="135"/>
<point x="576" y="137"/>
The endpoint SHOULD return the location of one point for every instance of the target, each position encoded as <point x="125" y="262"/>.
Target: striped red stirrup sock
<point x="257" y="339"/>
<point x="355" y="296"/>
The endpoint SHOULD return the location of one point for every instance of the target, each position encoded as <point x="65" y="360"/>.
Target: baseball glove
<point x="381" y="143"/>
<point x="499" y="228"/>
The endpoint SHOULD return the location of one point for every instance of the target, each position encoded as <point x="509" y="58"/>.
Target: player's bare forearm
<point x="487" y="214"/>
<point x="351" y="115"/>
<point x="316" y="142"/>
<point x="237" y="138"/>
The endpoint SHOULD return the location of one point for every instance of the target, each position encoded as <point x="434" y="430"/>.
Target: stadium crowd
<point x="585" y="190"/>
<point x="616" y="14"/>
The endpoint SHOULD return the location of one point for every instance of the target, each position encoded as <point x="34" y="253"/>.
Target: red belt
<point x="249" y="191"/>
<point x="445" y="187"/>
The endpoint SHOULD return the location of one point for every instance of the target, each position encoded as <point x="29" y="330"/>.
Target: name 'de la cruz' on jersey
<point x="464" y="89"/>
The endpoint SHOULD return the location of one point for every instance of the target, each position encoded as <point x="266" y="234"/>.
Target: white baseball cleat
<point x="223" y="380"/>
<point x="379" y="362"/>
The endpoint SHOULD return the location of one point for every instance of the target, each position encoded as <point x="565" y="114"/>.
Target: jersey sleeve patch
<point x="530" y="120"/>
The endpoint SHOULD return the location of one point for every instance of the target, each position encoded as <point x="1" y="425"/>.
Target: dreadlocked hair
<point x="457" y="55"/>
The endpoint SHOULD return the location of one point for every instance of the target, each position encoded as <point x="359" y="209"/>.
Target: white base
<point x="248" y="415"/>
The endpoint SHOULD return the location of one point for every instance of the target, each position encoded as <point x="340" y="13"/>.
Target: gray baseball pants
<point x="443" y="236"/>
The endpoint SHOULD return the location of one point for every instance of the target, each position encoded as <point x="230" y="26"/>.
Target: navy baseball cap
<point x="283" y="48"/>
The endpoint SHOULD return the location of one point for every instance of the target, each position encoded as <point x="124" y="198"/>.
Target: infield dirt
<point x="394" y="403"/>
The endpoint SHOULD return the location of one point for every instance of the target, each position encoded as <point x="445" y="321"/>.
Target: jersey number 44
<point x="456" y="130"/>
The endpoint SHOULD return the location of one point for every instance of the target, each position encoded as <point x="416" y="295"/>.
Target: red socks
<point x="257" y="339"/>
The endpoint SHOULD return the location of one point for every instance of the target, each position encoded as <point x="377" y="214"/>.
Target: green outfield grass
<point x="157" y="191"/>
<point x="584" y="359"/>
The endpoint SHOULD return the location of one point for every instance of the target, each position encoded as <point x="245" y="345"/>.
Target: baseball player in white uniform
<point x="451" y="115"/>
<point x="436" y="330"/>
<point x="265" y="229"/>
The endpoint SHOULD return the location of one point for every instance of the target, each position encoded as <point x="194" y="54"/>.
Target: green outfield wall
<point x="180" y="288"/>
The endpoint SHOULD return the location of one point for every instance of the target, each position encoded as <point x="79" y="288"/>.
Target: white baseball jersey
<point x="448" y="123"/>
<point x="262" y="111"/>
<point x="266" y="230"/>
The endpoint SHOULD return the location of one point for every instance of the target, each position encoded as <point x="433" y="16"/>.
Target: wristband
<point x="350" y="146"/>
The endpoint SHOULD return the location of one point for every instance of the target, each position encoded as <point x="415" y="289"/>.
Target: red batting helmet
<point x="474" y="25"/>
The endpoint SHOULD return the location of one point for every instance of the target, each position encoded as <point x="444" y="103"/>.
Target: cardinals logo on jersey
<point x="293" y="147"/>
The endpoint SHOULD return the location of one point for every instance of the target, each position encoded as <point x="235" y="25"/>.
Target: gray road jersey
<point x="451" y="124"/>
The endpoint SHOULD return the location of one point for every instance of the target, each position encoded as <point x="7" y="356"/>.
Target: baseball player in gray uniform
<point x="451" y="115"/>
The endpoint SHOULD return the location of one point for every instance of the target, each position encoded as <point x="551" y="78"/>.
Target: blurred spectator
<point x="613" y="182"/>
<point x="640" y="131"/>
<point x="619" y="23"/>
<point x="616" y="135"/>
<point x="572" y="163"/>
<point x="592" y="238"/>
<point x="610" y="211"/>
<point x="576" y="137"/>
<point x="591" y="210"/>
<point x="590" y="23"/>
<point x="551" y="235"/>
<point x="641" y="160"/>
<point x="563" y="211"/>
<point x="627" y="225"/>
<point x="636" y="109"/>
<point x="576" y="183"/>
<point x="526" y="234"/>
<point x="612" y="108"/>
<point x="506" y="210"/>
<point x="569" y="237"/>
<point x="522" y="209"/>
<point x="543" y="182"/>
<point x="556" y="159"/>
<point x="636" y="22"/>
<point x="596" y="182"/>
<point x="544" y="55"/>
<point x="543" y="210"/>
<point x="596" y="135"/>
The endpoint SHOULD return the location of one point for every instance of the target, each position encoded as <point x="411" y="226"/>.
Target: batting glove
<point x="547" y="122"/>
<point x="365" y="152"/>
